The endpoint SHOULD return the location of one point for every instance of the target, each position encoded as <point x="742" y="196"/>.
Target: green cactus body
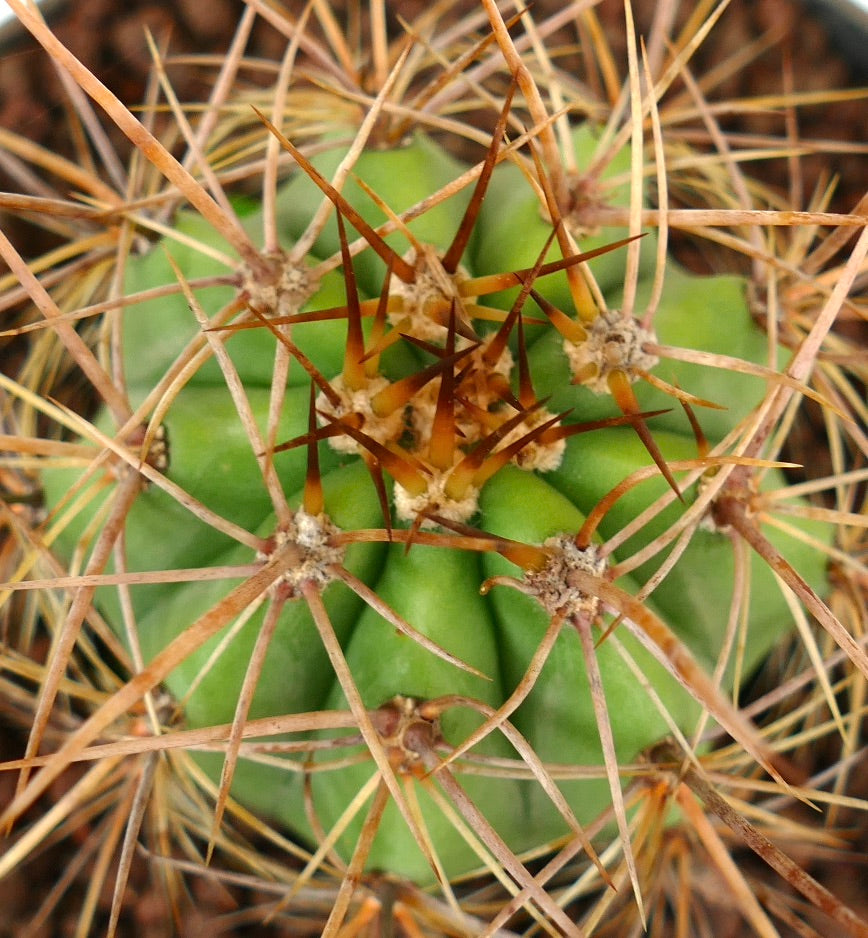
<point x="435" y="589"/>
<point x="522" y="207"/>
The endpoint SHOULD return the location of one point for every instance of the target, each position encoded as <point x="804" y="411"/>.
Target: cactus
<point x="430" y="533"/>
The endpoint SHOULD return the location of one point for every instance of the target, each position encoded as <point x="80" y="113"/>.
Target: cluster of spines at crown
<point x="441" y="432"/>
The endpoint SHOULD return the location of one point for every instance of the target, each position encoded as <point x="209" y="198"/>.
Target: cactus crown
<point x="335" y="422"/>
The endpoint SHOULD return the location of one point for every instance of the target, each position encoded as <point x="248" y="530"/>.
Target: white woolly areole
<point x="285" y="292"/>
<point x="552" y="585"/>
<point x="503" y="365"/>
<point x="474" y="387"/>
<point x="422" y="408"/>
<point x="310" y="534"/>
<point x="614" y="342"/>
<point x="427" y="299"/>
<point x="534" y="456"/>
<point x="435" y="500"/>
<point x="381" y="429"/>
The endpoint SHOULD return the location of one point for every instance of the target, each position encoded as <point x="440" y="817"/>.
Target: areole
<point x="431" y="618"/>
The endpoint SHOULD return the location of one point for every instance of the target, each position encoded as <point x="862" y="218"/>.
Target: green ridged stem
<point x="435" y="589"/>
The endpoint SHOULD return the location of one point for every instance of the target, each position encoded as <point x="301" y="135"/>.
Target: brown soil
<point x="108" y="37"/>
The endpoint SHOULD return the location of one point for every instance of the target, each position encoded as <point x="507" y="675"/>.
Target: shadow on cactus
<point x="437" y="533"/>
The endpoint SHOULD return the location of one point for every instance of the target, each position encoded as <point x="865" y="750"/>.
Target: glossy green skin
<point x="159" y="329"/>
<point x="512" y="237"/>
<point x="403" y="177"/>
<point x="437" y="590"/>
